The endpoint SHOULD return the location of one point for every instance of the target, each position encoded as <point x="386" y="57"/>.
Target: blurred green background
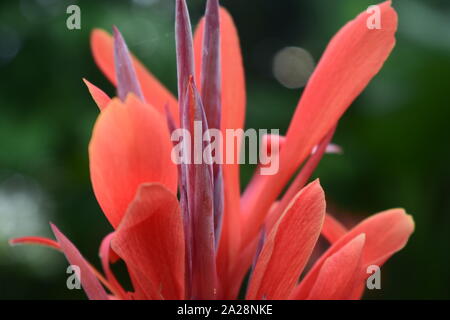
<point x="395" y="137"/>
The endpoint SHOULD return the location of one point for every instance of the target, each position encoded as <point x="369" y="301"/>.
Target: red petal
<point x="386" y="233"/>
<point x="150" y="240"/>
<point x="289" y="246"/>
<point x="89" y="281"/>
<point x="130" y="145"/>
<point x="55" y="245"/>
<point x="102" y="45"/>
<point x="100" y="98"/>
<point x="339" y="273"/>
<point x="233" y="115"/>
<point x="353" y="57"/>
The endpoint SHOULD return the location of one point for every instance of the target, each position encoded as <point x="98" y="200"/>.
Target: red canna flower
<point x="201" y="244"/>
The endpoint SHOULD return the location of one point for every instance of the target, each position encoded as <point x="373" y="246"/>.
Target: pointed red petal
<point x="233" y="115"/>
<point x="386" y="233"/>
<point x="89" y="281"/>
<point x="49" y="243"/>
<point x="130" y="145"/>
<point x="127" y="81"/>
<point x="340" y="272"/>
<point x="100" y="98"/>
<point x="102" y="46"/>
<point x="353" y="57"/>
<point x="289" y="246"/>
<point x="150" y="240"/>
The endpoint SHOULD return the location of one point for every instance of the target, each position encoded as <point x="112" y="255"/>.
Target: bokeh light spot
<point x="292" y="67"/>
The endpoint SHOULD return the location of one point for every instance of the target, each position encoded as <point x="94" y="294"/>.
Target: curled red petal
<point x="150" y="240"/>
<point x="106" y="254"/>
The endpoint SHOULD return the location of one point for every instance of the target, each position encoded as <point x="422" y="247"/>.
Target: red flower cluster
<point x="200" y="244"/>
